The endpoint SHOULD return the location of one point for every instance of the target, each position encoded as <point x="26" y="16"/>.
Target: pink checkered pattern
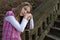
<point x="9" y="32"/>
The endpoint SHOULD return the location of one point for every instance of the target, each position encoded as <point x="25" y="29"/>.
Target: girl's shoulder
<point x="9" y="13"/>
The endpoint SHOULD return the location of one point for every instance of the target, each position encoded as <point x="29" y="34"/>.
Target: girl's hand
<point x="28" y="16"/>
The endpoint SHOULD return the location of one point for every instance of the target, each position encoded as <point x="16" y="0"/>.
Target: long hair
<point x="18" y="9"/>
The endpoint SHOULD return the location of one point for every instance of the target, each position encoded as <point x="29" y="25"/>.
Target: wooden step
<point x="56" y="24"/>
<point x="53" y="37"/>
<point x="58" y="17"/>
<point x="57" y="20"/>
<point x="55" y="32"/>
<point x="48" y="38"/>
<point x="55" y="28"/>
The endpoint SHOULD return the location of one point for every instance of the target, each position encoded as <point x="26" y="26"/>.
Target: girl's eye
<point x="25" y="8"/>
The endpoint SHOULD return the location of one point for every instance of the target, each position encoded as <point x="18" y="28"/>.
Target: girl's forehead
<point x="26" y="7"/>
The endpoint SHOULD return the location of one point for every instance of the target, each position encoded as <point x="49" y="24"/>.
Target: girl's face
<point x="25" y="10"/>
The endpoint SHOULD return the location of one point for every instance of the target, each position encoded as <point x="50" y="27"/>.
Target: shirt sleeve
<point x="15" y="23"/>
<point x="31" y="23"/>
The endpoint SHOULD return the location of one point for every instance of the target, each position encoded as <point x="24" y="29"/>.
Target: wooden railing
<point x="44" y="17"/>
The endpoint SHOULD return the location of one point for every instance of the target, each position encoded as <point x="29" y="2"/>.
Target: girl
<point x="12" y="26"/>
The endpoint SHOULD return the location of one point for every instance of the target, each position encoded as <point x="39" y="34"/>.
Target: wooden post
<point x="27" y="32"/>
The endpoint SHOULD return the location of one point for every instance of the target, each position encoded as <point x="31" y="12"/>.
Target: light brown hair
<point x="18" y="9"/>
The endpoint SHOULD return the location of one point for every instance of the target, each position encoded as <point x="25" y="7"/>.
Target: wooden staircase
<point x="54" y="33"/>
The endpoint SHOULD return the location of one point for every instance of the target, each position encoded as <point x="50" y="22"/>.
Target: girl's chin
<point x="21" y="15"/>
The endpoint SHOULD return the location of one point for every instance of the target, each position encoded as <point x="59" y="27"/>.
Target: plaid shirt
<point x="9" y="32"/>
